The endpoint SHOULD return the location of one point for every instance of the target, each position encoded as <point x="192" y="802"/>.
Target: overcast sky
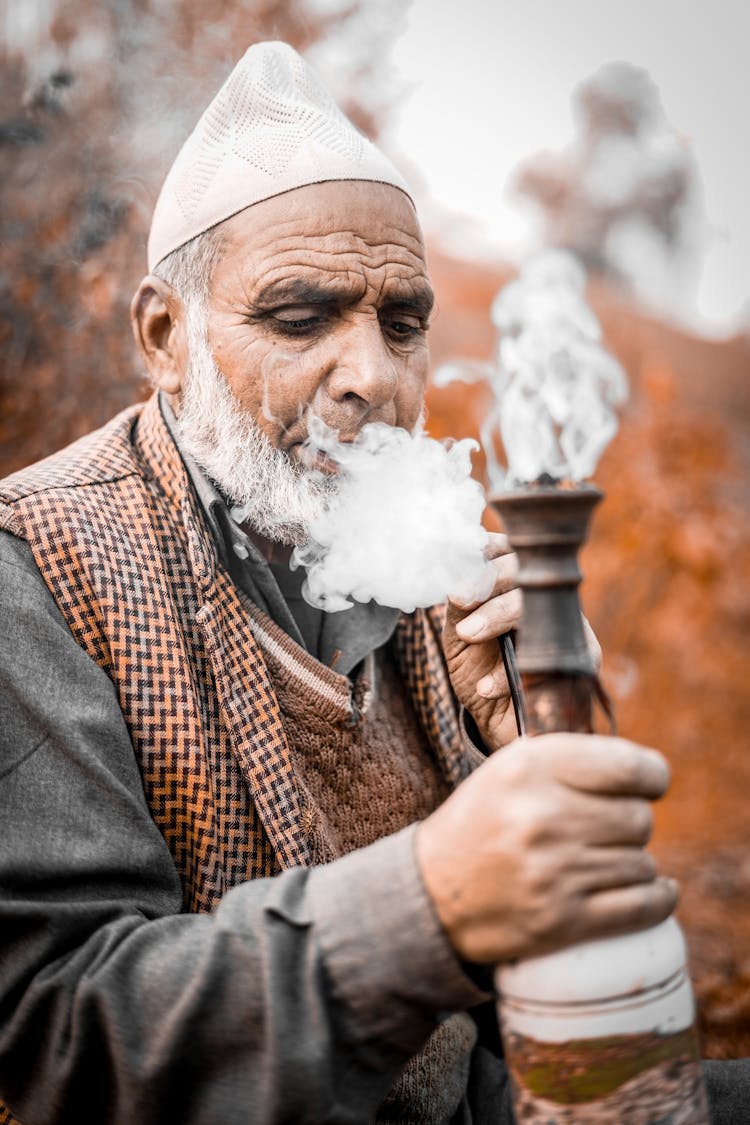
<point x="490" y="81"/>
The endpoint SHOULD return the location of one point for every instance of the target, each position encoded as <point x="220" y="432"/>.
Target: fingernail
<point x="470" y="626"/>
<point x="487" y="687"/>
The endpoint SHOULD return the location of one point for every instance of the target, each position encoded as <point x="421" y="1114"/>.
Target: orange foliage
<point x="84" y="146"/>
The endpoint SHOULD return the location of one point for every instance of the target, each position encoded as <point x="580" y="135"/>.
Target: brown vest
<point x="120" y="540"/>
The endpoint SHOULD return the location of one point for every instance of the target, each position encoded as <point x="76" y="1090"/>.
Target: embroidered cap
<point x="272" y="127"/>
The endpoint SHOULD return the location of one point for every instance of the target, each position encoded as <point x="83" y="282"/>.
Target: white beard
<point x="278" y="498"/>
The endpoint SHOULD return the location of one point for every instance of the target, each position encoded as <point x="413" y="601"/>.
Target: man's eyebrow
<point x="298" y="291"/>
<point x="420" y="302"/>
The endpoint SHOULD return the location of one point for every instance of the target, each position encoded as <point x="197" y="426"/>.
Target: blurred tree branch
<point x="95" y="100"/>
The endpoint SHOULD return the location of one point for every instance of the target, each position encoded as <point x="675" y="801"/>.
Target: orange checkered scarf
<point x="122" y="544"/>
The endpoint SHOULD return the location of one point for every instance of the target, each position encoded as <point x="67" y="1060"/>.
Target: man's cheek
<point x="411" y="397"/>
<point x="289" y="386"/>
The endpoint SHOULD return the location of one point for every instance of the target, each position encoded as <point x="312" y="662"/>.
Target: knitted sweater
<point x="367" y="771"/>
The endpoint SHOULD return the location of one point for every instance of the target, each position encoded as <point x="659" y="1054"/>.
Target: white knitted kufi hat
<point x="271" y="127"/>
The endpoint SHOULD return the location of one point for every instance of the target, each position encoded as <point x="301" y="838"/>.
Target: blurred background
<point x="611" y="130"/>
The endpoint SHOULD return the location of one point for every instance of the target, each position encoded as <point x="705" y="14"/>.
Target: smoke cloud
<point x="403" y="526"/>
<point x="556" y="386"/>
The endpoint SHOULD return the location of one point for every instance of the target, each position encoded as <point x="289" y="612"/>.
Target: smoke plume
<point x="557" y="387"/>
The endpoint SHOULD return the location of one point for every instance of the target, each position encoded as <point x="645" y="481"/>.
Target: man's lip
<point x="315" y="459"/>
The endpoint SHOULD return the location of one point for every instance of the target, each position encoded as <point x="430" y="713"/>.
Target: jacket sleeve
<point x="299" y="999"/>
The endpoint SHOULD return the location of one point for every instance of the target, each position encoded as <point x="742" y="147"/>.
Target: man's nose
<point x="363" y="369"/>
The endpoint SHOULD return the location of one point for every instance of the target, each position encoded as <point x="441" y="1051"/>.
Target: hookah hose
<point x="514" y="680"/>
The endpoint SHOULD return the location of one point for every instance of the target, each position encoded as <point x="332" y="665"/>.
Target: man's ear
<point x="158" y="319"/>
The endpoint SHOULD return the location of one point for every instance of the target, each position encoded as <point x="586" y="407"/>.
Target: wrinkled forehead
<point x="334" y="230"/>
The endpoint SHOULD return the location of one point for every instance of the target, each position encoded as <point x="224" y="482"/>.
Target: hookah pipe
<point x="631" y="994"/>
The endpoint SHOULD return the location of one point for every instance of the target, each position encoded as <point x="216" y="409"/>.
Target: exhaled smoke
<point x="402" y="528"/>
<point x="557" y="387"/>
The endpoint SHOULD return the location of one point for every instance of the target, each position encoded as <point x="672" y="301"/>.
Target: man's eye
<point x="298" y="322"/>
<point x="406" y="327"/>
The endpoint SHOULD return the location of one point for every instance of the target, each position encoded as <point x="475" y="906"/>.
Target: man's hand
<point x="542" y="846"/>
<point x="473" y="654"/>
<point x="470" y="642"/>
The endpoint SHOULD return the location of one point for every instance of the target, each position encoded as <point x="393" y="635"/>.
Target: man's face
<point x="321" y="300"/>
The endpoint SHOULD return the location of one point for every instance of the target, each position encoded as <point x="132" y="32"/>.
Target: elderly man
<point x="253" y="867"/>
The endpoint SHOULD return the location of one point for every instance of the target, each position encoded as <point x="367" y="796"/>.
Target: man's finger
<point x="607" y="821"/>
<point x="595" y="649"/>
<point x="494" y="684"/>
<point x="602" y="764"/>
<point x="629" y="908"/>
<point x="497" y="545"/>
<point x="608" y="868"/>
<point x="496" y="616"/>
<point x="504" y="566"/>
